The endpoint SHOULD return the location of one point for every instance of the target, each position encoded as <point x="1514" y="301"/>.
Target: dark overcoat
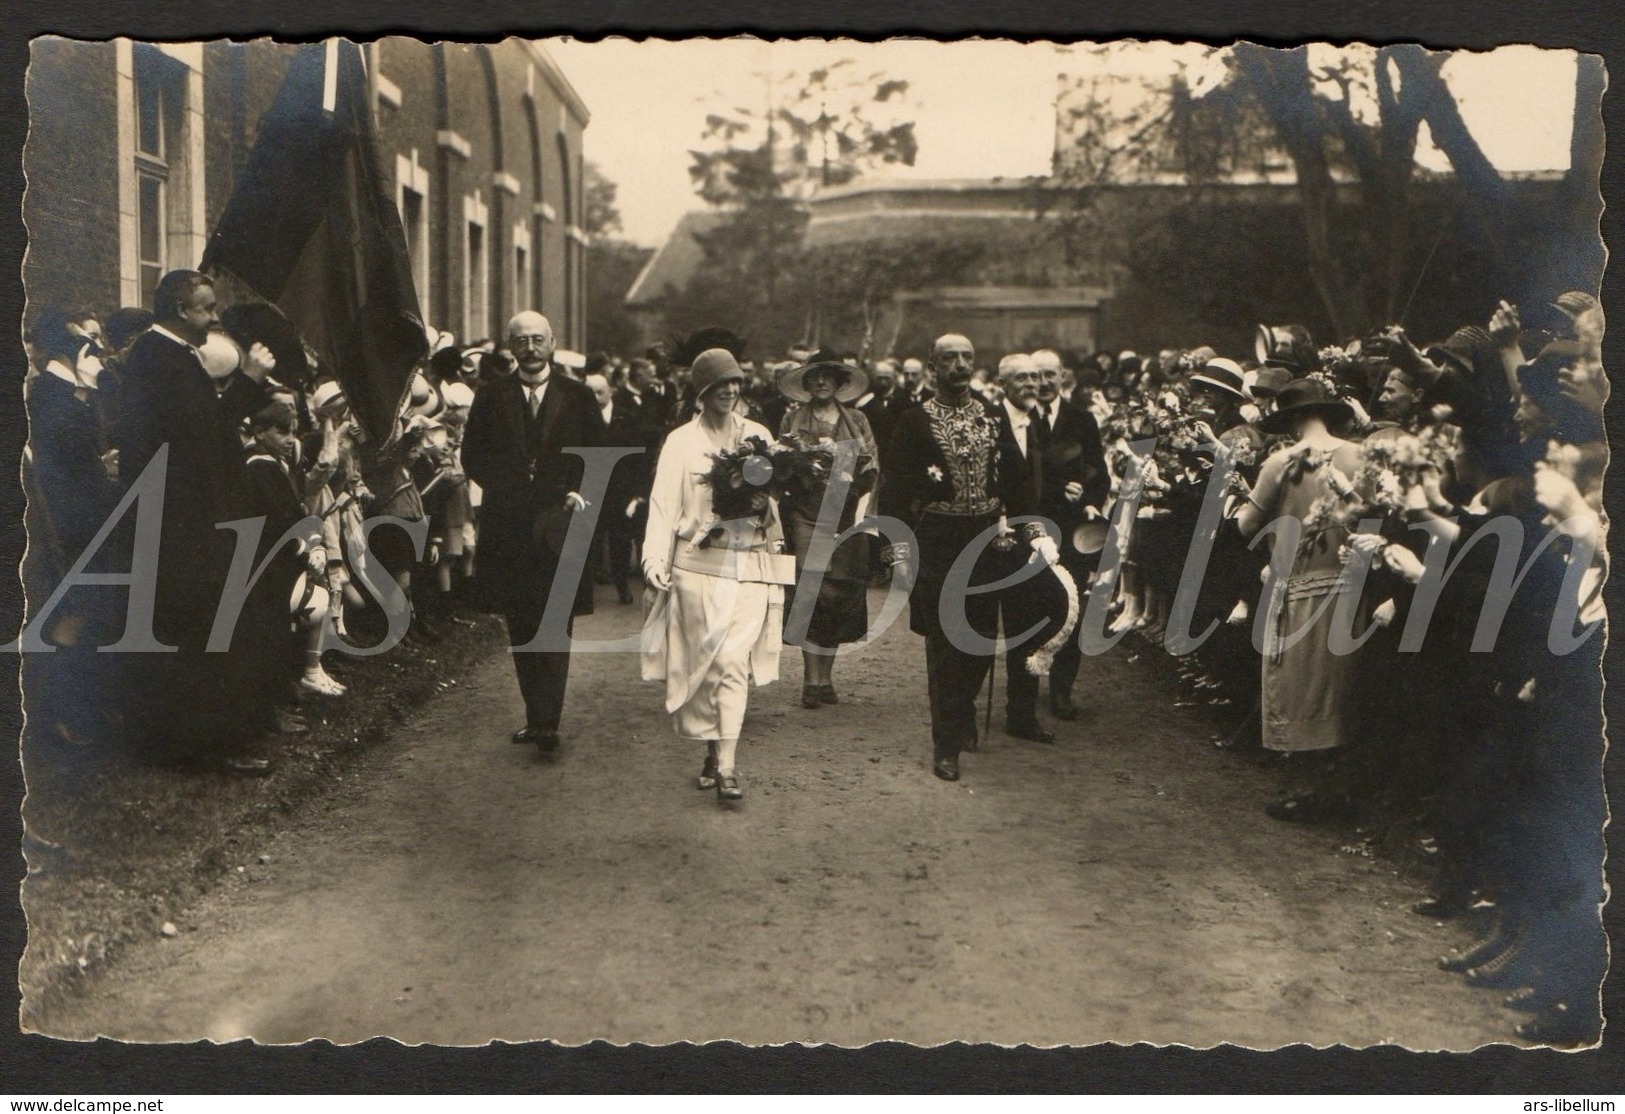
<point x="523" y="465"/>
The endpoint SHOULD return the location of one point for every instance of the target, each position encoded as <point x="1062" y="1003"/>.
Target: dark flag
<point x="312" y="227"/>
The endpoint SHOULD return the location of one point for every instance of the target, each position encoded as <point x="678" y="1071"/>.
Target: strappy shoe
<point x="1484" y="949"/>
<point x="320" y="684"/>
<point x="708" y="774"/>
<point x="728" y="787"/>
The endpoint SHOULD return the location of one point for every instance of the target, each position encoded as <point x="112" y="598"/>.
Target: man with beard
<point x="517" y="448"/>
<point x="1018" y="419"/>
<point x="952" y="483"/>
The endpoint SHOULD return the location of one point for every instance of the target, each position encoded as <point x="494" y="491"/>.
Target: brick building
<point x="483" y="143"/>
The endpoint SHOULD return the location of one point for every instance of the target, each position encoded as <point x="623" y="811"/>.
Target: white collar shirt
<point x="1019" y="421"/>
<point x="186" y="344"/>
<point x="535" y="392"/>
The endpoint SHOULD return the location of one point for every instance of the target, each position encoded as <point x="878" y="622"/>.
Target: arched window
<point x="538" y="237"/>
<point x="572" y="250"/>
<point x="497" y="278"/>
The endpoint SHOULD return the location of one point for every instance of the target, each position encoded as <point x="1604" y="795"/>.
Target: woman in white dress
<point x="715" y="626"/>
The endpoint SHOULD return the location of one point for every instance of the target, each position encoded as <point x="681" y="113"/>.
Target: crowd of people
<point x="1382" y="561"/>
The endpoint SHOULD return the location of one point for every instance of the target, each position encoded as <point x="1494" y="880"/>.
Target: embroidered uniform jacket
<point x="918" y="473"/>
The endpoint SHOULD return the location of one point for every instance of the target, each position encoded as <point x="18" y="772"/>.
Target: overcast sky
<point x="981" y="109"/>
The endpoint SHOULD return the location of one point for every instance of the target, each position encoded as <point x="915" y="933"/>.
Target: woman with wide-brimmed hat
<point x="714" y="624"/>
<point x="1307" y="689"/>
<point x="824" y="385"/>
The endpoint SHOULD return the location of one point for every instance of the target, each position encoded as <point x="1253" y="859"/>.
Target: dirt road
<point x="1122" y="885"/>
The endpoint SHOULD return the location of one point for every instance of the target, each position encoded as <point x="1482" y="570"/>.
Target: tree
<point x="856" y="285"/>
<point x="1120" y="121"/>
<point x="612" y="266"/>
<point x="825" y="127"/>
<point x="1313" y="108"/>
<point x="1347" y="121"/>
<point x="758" y="165"/>
<point x="601" y="217"/>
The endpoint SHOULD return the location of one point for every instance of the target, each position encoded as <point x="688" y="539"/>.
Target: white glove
<point x="1239" y="614"/>
<point x="575" y="501"/>
<point x="657" y="579"/>
<point x="632" y="508"/>
<point x="1403" y="562"/>
<point x="1385" y="613"/>
<point x="88" y="367"/>
<point x="1046" y="548"/>
<point x="259" y="362"/>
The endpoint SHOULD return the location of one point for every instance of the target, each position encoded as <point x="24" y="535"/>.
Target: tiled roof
<point x="676" y="261"/>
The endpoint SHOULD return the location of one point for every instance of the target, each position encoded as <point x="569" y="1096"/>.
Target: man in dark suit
<point x="192" y="704"/>
<point x="1074" y="491"/>
<point x="515" y="447"/>
<point x="916" y="387"/>
<point x="626" y="501"/>
<point x="882" y="404"/>
<point x="639" y="397"/>
<point x="951" y="479"/>
<point x="1023" y="453"/>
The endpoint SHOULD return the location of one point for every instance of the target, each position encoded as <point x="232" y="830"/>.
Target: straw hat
<point x="1303" y="398"/>
<point x="1222" y="374"/>
<point x="325" y="393"/>
<point x="854" y="384"/>
<point x="1090" y="537"/>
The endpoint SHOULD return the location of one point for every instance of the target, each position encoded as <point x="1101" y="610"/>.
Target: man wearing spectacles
<point x="517" y="447"/>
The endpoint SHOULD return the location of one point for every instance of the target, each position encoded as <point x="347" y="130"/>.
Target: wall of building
<point x="71" y="203"/>
<point x="1150" y="264"/>
<point x="484" y="136"/>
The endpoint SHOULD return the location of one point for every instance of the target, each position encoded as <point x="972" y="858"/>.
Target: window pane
<point x="412" y="219"/>
<point x="150" y="274"/>
<point x="149" y="103"/>
<point x="476" y="280"/>
<point x="151" y="214"/>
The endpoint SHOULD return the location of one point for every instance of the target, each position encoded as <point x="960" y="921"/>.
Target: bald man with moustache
<point x="516" y="446"/>
<point x="951" y="476"/>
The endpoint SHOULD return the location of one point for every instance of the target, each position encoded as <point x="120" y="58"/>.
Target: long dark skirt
<point x="841" y="611"/>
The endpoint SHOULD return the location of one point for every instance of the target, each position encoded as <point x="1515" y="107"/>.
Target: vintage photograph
<point x="813" y="541"/>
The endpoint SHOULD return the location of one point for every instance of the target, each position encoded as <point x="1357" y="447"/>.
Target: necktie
<point x="1031" y="439"/>
<point x="535" y="400"/>
<point x="1053" y="413"/>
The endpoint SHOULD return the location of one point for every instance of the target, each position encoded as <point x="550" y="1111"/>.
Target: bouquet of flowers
<point x="742" y="480"/>
<point x="1389" y="469"/>
<point x="860" y="473"/>
<point x="1244" y="463"/>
